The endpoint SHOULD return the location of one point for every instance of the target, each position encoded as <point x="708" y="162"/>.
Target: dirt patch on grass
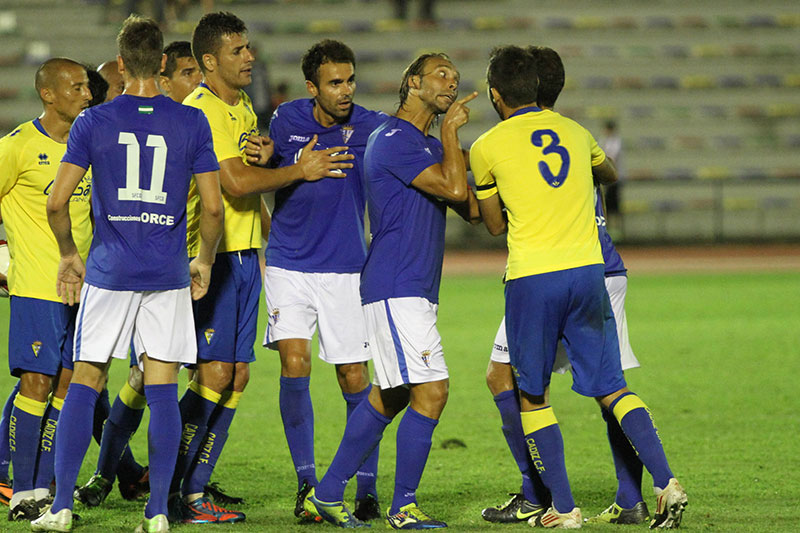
<point x="672" y="259"/>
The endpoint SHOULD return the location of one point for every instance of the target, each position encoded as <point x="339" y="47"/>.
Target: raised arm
<point x="448" y="180"/>
<point x="71" y="270"/>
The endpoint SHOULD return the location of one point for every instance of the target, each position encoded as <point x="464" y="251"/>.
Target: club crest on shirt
<point x="36" y="346"/>
<point x="426" y="358"/>
<point x="347" y="132"/>
<point x="209" y="334"/>
<point x="275" y="314"/>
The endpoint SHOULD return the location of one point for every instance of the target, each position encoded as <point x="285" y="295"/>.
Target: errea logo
<point x="43" y="159"/>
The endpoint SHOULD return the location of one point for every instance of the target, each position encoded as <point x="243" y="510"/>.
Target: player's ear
<point x="494" y="96"/>
<point x="120" y="64"/>
<point x="415" y="81"/>
<point x="163" y="62"/>
<point x="46" y="95"/>
<point x="312" y="89"/>
<point x="209" y="62"/>
<point x="166" y="84"/>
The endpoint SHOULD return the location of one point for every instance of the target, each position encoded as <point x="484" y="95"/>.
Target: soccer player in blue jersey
<point x="314" y="257"/>
<point x="40" y="326"/>
<point x="138" y="279"/>
<point x="226" y="318"/>
<point x="541" y="166"/>
<point x="629" y="506"/>
<point x="411" y="178"/>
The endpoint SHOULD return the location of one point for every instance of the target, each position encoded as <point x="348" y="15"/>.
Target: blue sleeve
<point x="205" y="160"/>
<point x="403" y="155"/>
<point x="79" y="142"/>
<point x="276" y="133"/>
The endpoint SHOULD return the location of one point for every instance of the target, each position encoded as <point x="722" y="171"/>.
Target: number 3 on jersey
<point x="132" y="191"/>
<point x="553" y="148"/>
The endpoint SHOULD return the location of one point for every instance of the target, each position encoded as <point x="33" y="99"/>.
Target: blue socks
<point x="123" y="421"/>
<point x="414" y="436"/>
<point x="163" y="437"/>
<point x="5" y="451"/>
<point x="196" y="406"/>
<point x="367" y="474"/>
<point x="546" y="448"/>
<point x="361" y="435"/>
<point x="25" y="427"/>
<point x="200" y="473"/>
<point x="297" y="414"/>
<point x="72" y="441"/>
<point x="635" y="420"/>
<point x="626" y="463"/>
<point x="533" y="489"/>
<point x="45" y="464"/>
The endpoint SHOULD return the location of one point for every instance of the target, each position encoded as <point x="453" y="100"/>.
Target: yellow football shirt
<point x="230" y="128"/>
<point x="29" y="160"/>
<point x="540" y="164"/>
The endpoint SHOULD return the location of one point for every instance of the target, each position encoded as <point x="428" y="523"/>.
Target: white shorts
<point x="298" y="302"/>
<point x="616" y="286"/>
<point x="161" y="323"/>
<point x="406" y="345"/>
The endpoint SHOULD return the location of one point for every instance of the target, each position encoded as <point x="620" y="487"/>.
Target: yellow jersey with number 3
<point x="231" y="125"/>
<point x="29" y="160"/>
<point x="540" y="164"/>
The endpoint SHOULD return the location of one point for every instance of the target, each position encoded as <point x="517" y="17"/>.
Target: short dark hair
<point x="97" y="85"/>
<point x="326" y="51"/>
<point x="551" y="74"/>
<point x="415" y="69"/>
<point x="512" y="73"/>
<point x="207" y="35"/>
<point x="140" y="42"/>
<point x="174" y="51"/>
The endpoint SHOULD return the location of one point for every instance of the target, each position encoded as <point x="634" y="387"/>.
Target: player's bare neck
<point x="56" y="125"/>
<point x="226" y="93"/>
<point x="419" y="116"/>
<point x="146" y="88"/>
<point x="324" y="119"/>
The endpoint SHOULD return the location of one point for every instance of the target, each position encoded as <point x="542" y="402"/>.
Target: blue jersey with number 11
<point x="143" y="152"/>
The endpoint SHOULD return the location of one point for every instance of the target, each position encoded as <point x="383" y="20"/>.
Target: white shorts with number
<point x="161" y="323"/>
<point x="406" y="345"/>
<point x="298" y="302"/>
<point x="616" y="286"/>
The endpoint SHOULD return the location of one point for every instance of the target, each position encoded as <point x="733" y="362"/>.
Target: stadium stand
<point x="701" y="91"/>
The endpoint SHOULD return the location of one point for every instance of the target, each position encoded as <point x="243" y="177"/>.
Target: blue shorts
<point x="227" y="316"/>
<point x="40" y="336"/>
<point x="570" y="305"/>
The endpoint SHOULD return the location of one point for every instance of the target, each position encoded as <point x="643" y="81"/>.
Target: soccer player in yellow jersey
<point x="541" y="167"/>
<point x="40" y="326"/>
<point x="226" y="318"/>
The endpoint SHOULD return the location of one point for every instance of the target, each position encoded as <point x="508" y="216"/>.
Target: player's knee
<point x="35" y="386"/>
<point x="241" y="377"/>
<point x="499" y="377"/>
<point x="353" y="378"/>
<point x="136" y="379"/>
<point x="216" y="375"/>
<point x="295" y="364"/>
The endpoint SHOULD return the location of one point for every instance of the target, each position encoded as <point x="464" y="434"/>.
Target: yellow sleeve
<point x="8" y="165"/>
<point x="481" y="170"/>
<point x="598" y="155"/>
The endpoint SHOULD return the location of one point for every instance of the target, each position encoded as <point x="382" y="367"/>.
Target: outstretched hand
<point x="327" y="163"/>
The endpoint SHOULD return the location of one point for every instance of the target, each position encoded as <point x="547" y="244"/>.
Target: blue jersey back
<point x="319" y="226"/>
<point x="143" y="152"/>
<point x="611" y="258"/>
<point x="407" y="225"/>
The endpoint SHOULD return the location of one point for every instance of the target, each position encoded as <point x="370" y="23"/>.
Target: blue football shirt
<point x="407" y="225"/>
<point x="319" y="226"/>
<point x="143" y="152"/>
<point x="613" y="262"/>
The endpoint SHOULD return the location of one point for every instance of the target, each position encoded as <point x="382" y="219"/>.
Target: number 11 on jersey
<point x="132" y="190"/>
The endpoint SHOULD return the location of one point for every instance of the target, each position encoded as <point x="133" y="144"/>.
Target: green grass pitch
<point x="720" y="363"/>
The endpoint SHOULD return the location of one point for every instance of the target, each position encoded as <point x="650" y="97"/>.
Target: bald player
<point x="181" y="74"/>
<point x="40" y="327"/>
<point x="111" y="74"/>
